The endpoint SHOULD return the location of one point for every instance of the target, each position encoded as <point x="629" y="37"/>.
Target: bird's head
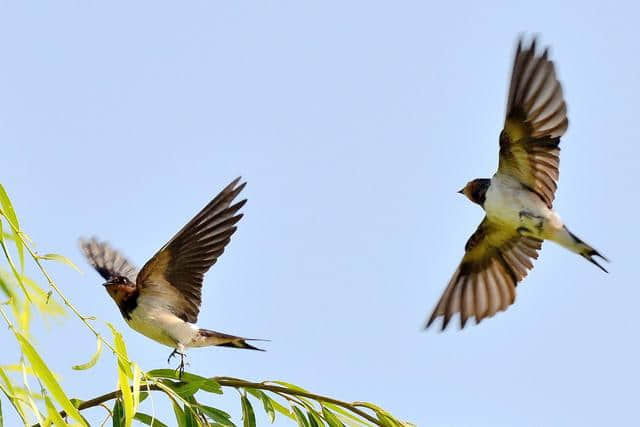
<point x="120" y="288"/>
<point x="476" y="190"/>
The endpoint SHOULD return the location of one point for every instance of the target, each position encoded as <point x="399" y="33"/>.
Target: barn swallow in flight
<point x="518" y="198"/>
<point x="162" y="301"/>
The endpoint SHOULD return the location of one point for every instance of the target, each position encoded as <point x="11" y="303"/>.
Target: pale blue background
<point x="354" y="124"/>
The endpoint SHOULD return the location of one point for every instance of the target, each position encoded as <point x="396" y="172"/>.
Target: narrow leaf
<point x="205" y="384"/>
<point x="117" y="417"/>
<point x="354" y="419"/>
<point x="266" y="403"/>
<point x="60" y="258"/>
<point x="217" y="415"/>
<point x="7" y="208"/>
<point x="190" y="419"/>
<point x="180" y="419"/>
<point x="276" y="405"/>
<point x="148" y="420"/>
<point x="314" y="419"/>
<point x="302" y="420"/>
<point x="6" y="288"/>
<point x="9" y="391"/>
<point x="26" y="393"/>
<point x="385" y="418"/>
<point x="331" y="418"/>
<point x="10" y="214"/>
<point x="248" y="417"/>
<point x="124" y="373"/>
<point x="94" y="359"/>
<point x="47" y="378"/>
<point x="187" y="389"/>
<point x="289" y="385"/>
<point x="14" y="270"/>
<point x="53" y="414"/>
<point x="137" y="378"/>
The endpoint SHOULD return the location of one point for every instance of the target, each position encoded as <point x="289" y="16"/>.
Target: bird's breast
<point x="160" y="324"/>
<point x="506" y="198"/>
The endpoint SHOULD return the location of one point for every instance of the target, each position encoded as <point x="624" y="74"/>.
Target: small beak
<point x="105" y="284"/>
<point x="461" y="191"/>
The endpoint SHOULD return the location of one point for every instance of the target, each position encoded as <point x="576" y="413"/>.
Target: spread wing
<point x="536" y="119"/>
<point x="175" y="272"/>
<point x="106" y="260"/>
<point x="485" y="282"/>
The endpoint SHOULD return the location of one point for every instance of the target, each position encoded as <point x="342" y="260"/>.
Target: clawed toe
<point x="181" y="365"/>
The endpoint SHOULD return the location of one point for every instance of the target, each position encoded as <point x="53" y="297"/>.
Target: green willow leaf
<point x="188" y="389"/>
<point x="331" y="418"/>
<point x="52" y="413"/>
<point x="117" y="416"/>
<point x="302" y="420"/>
<point x="1" y="416"/>
<point x="276" y="405"/>
<point x="6" y="288"/>
<point x="190" y="419"/>
<point x="351" y="418"/>
<point x="137" y="379"/>
<point x="47" y="378"/>
<point x="124" y="373"/>
<point x="267" y="403"/>
<point x="9" y="391"/>
<point x="60" y="258"/>
<point x="205" y="384"/>
<point x="385" y="418"/>
<point x="42" y="299"/>
<point x="14" y="270"/>
<point x="314" y="419"/>
<point x="180" y="418"/>
<point x="217" y="415"/>
<point x="289" y="385"/>
<point x="248" y="416"/>
<point x="7" y="208"/>
<point x="148" y="420"/>
<point x="94" y="359"/>
<point x="10" y="214"/>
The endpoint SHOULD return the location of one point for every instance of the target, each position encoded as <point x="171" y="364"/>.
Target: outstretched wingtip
<point x="428" y="323"/>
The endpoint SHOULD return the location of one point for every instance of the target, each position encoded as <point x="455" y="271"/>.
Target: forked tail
<point x="575" y="244"/>
<point x="213" y="338"/>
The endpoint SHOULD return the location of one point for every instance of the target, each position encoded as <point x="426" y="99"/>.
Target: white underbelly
<point x="506" y="198"/>
<point x="162" y="326"/>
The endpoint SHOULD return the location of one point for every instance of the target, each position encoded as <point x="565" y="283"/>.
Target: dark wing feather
<point x="484" y="283"/>
<point x="176" y="271"/>
<point x="107" y="261"/>
<point x="536" y="119"/>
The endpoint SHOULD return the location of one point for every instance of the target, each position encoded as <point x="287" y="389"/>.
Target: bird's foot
<point x="181" y="365"/>
<point x="527" y="218"/>
<point x="173" y="353"/>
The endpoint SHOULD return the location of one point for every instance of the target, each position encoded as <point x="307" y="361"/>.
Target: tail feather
<point x="580" y="247"/>
<point x="213" y="338"/>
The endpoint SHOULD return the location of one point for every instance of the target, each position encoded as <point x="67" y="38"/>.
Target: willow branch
<point x="237" y="383"/>
<point x="52" y="284"/>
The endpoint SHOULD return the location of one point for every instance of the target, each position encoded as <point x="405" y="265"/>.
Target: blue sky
<point x="354" y="125"/>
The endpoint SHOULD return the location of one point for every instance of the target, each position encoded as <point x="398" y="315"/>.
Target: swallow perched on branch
<point x="162" y="301"/>
<point x="518" y="198"/>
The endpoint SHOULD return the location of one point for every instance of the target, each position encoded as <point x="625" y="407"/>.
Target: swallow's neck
<point x="478" y="193"/>
<point x="126" y="297"/>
